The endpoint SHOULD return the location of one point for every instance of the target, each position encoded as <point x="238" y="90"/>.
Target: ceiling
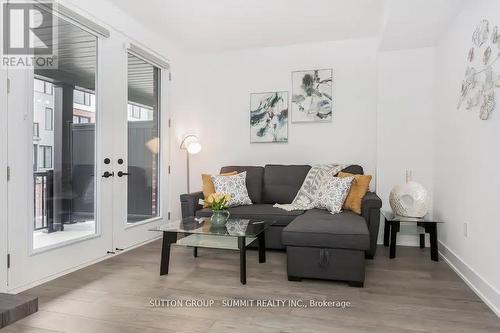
<point x="217" y="25"/>
<point x="200" y="26"/>
<point x="417" y="23"/>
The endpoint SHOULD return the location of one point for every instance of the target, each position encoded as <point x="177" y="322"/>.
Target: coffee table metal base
<point x="169" y="238"/>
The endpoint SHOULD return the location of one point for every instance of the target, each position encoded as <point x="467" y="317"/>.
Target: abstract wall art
<point x="312" y="92"/>
<point x="269" y="117"/>
<point x="477" y="92"/>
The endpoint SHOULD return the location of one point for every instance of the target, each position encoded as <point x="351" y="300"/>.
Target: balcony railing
<point x="43" y="205"/>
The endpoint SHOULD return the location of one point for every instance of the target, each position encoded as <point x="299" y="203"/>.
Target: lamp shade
<point x="192" y="144"/>
<point x="153" y="145"/>
<point x="194" y="148"/>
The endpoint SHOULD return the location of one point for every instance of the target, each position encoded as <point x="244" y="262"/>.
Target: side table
<point x="392" y="227"/>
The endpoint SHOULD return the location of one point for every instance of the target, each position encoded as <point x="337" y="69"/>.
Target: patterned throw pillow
<point x="208" y="186"/>
<point x="235" y="186"/>
<point x="332" y="193"/>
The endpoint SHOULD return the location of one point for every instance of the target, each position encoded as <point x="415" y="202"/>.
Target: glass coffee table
<point x="236" y="234"/>
<point x="426" y="224"/>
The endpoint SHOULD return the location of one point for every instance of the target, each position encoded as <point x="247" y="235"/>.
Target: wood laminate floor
<point x="407" y="294"/>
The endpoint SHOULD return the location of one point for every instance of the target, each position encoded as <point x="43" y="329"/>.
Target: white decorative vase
<point x="409" y="199"/>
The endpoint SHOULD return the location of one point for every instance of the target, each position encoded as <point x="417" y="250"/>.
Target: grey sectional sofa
<point x="318" y="244"/>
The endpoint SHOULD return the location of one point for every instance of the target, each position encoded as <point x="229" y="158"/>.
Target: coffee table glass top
<point x="429" y="218"/>
<point x="201" y="232"/>
<point x="203" y="226"/>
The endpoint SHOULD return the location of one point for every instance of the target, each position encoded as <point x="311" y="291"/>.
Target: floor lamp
<point x="191" y="145"/>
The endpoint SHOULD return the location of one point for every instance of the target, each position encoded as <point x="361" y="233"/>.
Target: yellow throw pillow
<point x="208" y="185"/>
<point x="359" y="187"/>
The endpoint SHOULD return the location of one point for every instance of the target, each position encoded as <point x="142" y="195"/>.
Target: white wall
<point x="211" y="97"/>
<point x="467" y="161"/>
<point x="405" y="111"/>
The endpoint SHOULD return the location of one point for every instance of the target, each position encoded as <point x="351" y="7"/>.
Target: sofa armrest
<point x="370" y="210"/>
<point x="190" y="203"/>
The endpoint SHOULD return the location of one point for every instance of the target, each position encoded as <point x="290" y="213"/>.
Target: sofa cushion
<point x="354" y="169"/>
<point x="282" y="182"/>
<point x="258" y="211"/>
<point x="360" y="185"/>
<point x="319" y="228"/>
<point x="254" y="180"/>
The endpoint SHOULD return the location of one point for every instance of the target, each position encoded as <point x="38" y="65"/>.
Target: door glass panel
<point x="64" y="149"/>
<point x="143" y="140"/>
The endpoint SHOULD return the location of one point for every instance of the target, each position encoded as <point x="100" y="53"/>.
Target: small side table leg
<point x="168" y="239"/>
<point x="262" y="247"/>
<point x="422" y="241"/>
<point x="243" y="259"/>
<point x="387" y="232"/>
<point x="394" y="232"/>
<point x="434" y="242"/>
<point x="195" y="251"/>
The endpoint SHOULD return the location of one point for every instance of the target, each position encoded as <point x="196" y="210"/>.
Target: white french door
<point x="3" y="179"/>
<point x="140" y="136"/>
<point x="86" y="154"/>
<point x="57" y="200"/>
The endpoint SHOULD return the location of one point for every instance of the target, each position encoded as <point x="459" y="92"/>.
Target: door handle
<point x="121" y="174"/>
<point x="108" y="174"/>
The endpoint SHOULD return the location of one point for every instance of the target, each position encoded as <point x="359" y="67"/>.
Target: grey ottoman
<point x="321" y="245"/>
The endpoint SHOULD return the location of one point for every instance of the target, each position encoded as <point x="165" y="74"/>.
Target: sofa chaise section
<point x="324" y="246"/>
<point x="319" y="228"/>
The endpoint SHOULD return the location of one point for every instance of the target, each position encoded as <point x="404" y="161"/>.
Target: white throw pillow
<point x="235" y="186"/>
<point x="332" y="193"/>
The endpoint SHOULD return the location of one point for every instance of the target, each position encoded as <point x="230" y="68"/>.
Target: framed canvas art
<point x="269" y="117"/>
<point x="312" y="92"/>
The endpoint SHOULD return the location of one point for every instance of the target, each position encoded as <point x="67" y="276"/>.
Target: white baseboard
<point x="73" y="269"/>
<point x="476" y="282"/>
